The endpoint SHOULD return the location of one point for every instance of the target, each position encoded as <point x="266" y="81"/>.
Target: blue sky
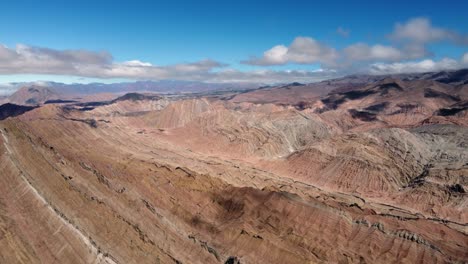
<point x="235" y="34"/>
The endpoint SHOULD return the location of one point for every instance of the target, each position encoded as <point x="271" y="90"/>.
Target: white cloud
<point x="137" y="63"/>
<point x="420" y="30"/>
<point x="381" y="53"/>
<point x="411" y="42"/>
<point x="415" y="51"/>
<point x="28" y="59"/>
<point x="42" y="61"/>
<point x="276" y="55"/>
<point x="464" y="59"/>
<point x="303" y="50"/>
<point x="364" y="52"/>
<point x="37" y="60"/>
<point x="427" y="65"/>
<point x="308" y="50"/>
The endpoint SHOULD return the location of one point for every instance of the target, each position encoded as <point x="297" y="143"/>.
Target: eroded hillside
<point x="373" y="173"/>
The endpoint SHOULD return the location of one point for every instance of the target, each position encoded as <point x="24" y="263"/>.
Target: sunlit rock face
<point x="365" y="171"/>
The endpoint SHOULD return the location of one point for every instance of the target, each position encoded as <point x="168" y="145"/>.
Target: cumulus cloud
<point x="421" y="30"/>
<point x="27" y="59"/>
<point x="427" y="65"/>
<point x="464" y="59"/>
<point x="276" y="55"/>
<point x="408" y="42"/>
<point x="362" y="51"/>
<point x="137" y="63"/>
<point x="37" y="60"/>
<point x="303" y="50"/>
<point x="415" y="51"/>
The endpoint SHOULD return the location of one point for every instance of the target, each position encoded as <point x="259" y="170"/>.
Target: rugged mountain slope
<point x="299" y="94"/>
<point x="394" y="102"/>
<point x="380" y="162"/>
<point x="369" y="173"/>
<point x="116" y="199"/>
<point x="250" y="132"/>
<point x="431" y="161"/>
<point x="33" y="95"/>
<point x="293" y="93"/>
<point x="128" y="104"/>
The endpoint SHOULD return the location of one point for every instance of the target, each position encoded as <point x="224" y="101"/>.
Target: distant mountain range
<point x="165" y="86"/>
<point x="40" y="92"/>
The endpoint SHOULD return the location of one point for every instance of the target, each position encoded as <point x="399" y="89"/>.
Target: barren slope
<point x="145" y="179"/>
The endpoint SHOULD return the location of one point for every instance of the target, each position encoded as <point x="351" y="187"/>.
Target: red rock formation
<point x="215" y="181"/>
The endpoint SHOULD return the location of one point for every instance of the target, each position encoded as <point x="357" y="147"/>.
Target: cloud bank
<point x="26" y="59"/>
<point x="37" y="60"/>
<point x="427" y="65"/>
<point x="406" y="50"/>
<point x="408" y="41"/>
<point x="421" y="30"/>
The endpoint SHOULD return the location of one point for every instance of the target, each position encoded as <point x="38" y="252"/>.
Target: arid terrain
<point x="361" y="169"/>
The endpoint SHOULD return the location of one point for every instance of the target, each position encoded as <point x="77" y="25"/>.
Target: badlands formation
<point x="352" y="170"/>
